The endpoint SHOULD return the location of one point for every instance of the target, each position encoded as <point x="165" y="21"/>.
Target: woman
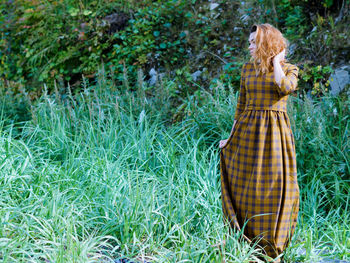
<point x="260" y="192"/>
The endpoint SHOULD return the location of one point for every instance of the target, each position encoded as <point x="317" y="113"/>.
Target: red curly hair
<point x="269" y="42"/>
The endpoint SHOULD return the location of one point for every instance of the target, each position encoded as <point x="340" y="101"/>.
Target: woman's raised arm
<point x="288" y="82"/>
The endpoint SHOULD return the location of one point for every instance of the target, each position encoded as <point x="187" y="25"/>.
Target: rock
<point x="338" y="80"/>
<point x="213" y="6"/>
<point x="153" y="72"/>
<point x="117" y="21"/>
<point x="237" y="29"/>
<point x="346" y="67"/>
<point x="196" y="74"/>
<point x="153" y="79"/>
<point x="292" y="48"/>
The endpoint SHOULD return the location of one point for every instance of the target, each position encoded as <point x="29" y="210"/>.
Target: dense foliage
<point x="42" y="42"/>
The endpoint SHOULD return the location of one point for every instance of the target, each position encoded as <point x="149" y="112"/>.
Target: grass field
<point x="104" y="175"/>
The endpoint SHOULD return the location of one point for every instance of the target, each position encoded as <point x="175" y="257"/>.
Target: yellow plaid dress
<point x="259" y="187"/>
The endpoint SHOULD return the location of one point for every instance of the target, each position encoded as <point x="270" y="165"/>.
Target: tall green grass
<point x="102" y="175"/>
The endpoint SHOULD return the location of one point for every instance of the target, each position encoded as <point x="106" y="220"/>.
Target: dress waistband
<point x="253" y="108"/>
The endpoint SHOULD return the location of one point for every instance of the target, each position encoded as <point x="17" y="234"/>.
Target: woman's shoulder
<point x="247" y="66"/>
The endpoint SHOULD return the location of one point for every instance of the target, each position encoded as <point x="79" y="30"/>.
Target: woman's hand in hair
<point x="280" y="56"/>
<point x="277" y="69"/>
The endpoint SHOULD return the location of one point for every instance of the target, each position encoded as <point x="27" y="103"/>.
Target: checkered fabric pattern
<point x="260" y="192"/>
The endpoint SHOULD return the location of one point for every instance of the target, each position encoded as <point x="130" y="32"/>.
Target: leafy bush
<point x="41" y="47"/>
<point x="315" y="79"/>
<point x="152" y="39"/>
<point x="77" y="39"/>
<point x="317" y="28"/>
<point x="51" y="40"/>
<point x="43" y="42"/>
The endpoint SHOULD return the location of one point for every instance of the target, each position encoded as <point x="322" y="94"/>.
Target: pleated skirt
<point x="260" y="193"/>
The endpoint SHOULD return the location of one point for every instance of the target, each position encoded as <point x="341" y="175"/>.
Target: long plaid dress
<point x="259" y="187"/>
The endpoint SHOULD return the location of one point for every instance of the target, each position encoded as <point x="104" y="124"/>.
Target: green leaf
<point x="188" y="15"/>
<point x="73" y="11"/>
<point x="87" y="12"/>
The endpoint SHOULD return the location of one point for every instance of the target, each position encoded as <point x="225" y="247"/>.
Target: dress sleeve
<point x="289" y="83"/>
<point x="242" y="95"/>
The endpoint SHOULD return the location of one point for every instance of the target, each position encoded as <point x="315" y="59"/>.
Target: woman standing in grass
<point x="260" y="193"/>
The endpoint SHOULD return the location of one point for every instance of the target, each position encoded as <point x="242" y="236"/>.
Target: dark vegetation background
<point x="194" y="43"/>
